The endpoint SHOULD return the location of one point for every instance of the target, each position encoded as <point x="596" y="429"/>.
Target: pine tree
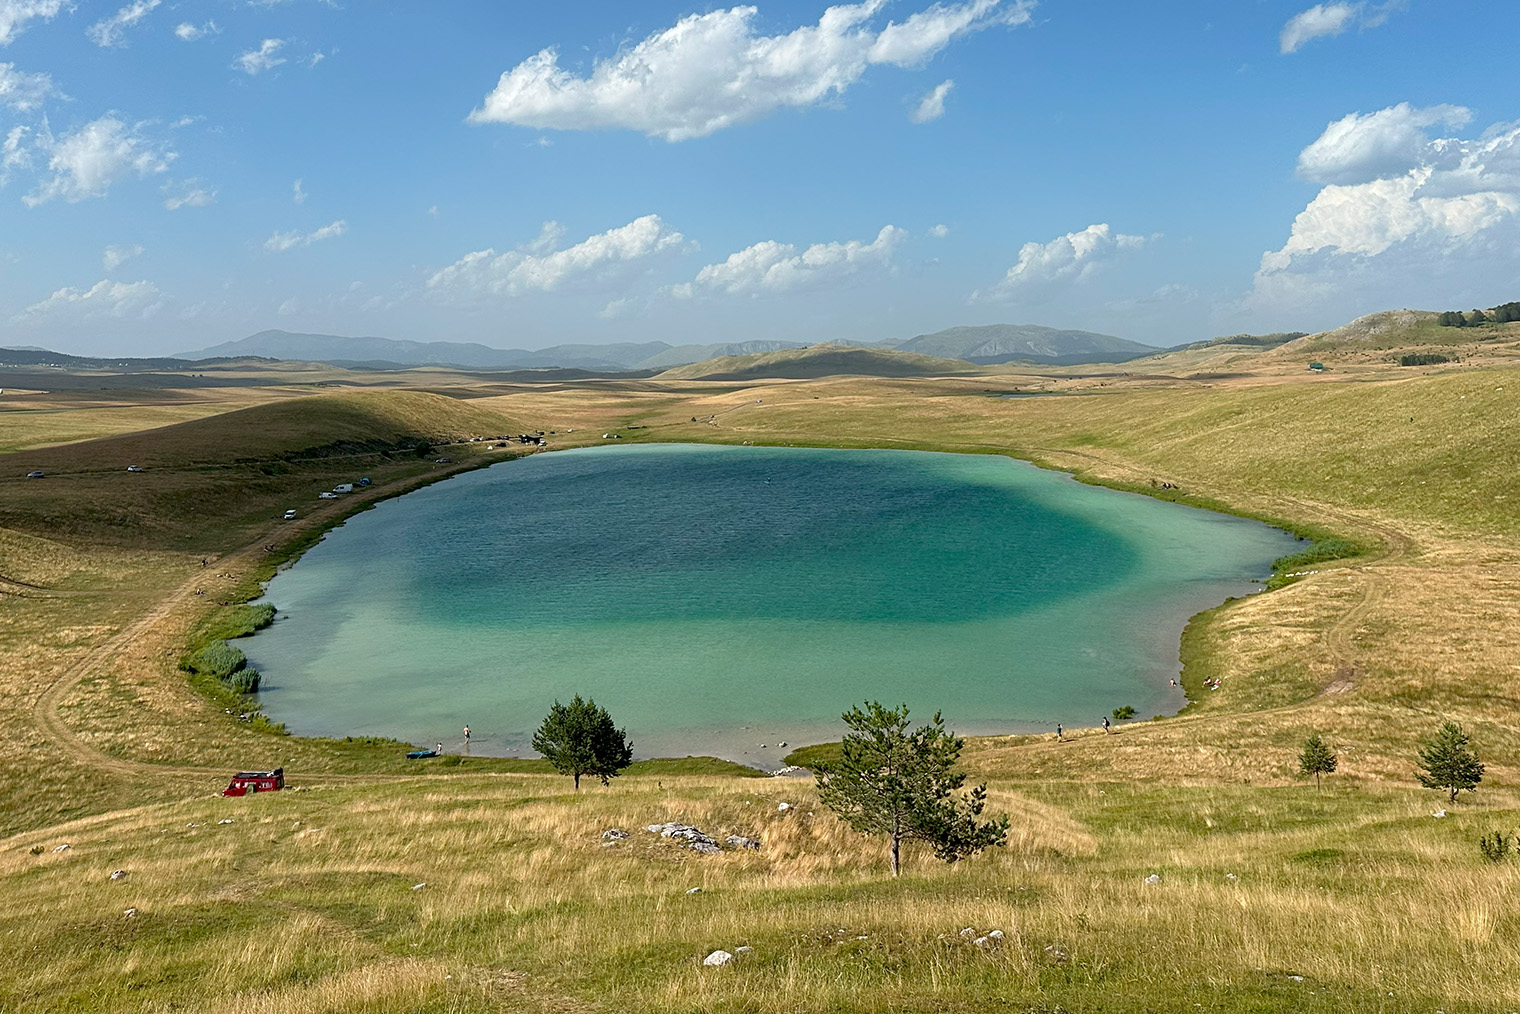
<point x="1448" y="762"/>
<point x="1316" y="759"/>
<point x="580" y="739"/>
<point x="901" y="784"/>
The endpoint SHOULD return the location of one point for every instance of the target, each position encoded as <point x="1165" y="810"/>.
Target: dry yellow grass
<point x="1358" y="891"/>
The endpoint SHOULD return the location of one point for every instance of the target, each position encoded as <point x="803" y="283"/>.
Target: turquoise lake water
<point x="718" y="598"/>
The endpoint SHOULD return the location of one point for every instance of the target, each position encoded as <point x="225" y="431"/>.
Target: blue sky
<point x="530" y="174"/>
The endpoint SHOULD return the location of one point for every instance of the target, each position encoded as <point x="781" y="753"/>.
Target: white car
<point x="136" y="468"/>
<point x="327" y="496"/>
<point x="290" y="515"/>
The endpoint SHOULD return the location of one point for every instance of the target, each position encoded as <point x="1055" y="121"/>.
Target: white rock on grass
<point x="118" y="874"/>
<point x="62" y="848"/>
<point x="614" y="834"/>
<point x="694" y="838"/>
<point x="782" y="808"/>
<point x="1153" y="879"/>
<point x="693" y="890"/>
<point x="742" y="950"/>
<point x="738" y="841"/>
<point x="717" y="959"/>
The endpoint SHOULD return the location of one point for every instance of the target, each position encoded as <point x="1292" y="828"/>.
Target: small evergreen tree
<point x="1316" y="759"/>
<point x="1447" y="761"/>
<point x="579" y="739"/>
<point x="901" y="784"/>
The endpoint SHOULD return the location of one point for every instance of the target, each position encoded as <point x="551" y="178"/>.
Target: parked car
<point x="290" y="515"/>
<point x="246" y="783"/>
<point x="443" y="461"/>
<point x="136" y="468"/>
<point x="327" y="496"/>
<point x="364" y="482"/>
<point x="36" y="473"/>
<point x="344" y="487"/>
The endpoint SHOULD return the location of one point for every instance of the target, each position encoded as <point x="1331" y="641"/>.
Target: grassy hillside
<point x="310" y="424"/>
<point x="819" y="361"/>
<point x="1269" y="896"/>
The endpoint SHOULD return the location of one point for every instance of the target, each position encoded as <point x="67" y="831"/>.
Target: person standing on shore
<point x="467" y="739"/>
<point x="1106" y="730"/>
<point x="1059" y="733"/>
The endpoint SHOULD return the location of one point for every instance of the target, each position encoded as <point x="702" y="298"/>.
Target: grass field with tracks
<point x="1270" y="896"/>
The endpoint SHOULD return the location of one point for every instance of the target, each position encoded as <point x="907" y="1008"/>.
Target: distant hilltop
<point x="993" y="343"/>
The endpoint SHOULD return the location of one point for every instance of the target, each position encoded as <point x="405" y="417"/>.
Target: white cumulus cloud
<point x="711" y="71"/>
<point x="105" y="298"/>
<point x="1044" y="267"/>
<point x="256" y="61"/>
<point x="1327" y="20"/>
<point x="116" y="256"/>
<point x="932" y="105"/>
<point x="282" y="241"/>
<point x="538" y="266"/>
<point x="769" y="266"/>
<point x="190" y="32"/>
<point x="1359" y="148"/>
<point x="87" y="162"/>
<point x="14" y="14"/>
<point x="1404" y="217"/>
<point x="112" y="31"/>
<point x="14" y="153"/>
<point x="23" y="91"/>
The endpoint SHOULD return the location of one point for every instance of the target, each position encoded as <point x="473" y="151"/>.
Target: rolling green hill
<point x="307" y="425"/>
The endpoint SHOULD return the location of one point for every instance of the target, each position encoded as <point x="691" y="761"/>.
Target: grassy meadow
<point x="1271" y="896"/>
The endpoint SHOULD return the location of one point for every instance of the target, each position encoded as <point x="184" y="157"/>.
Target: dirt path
<point x="47" y="709"/>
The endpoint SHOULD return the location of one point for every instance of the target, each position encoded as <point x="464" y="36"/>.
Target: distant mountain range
<point x="1002" y="343"/>
<point x="372" y="352"/>
<point x="995" y="343"/>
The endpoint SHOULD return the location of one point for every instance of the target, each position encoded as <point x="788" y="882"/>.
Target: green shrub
<point x="1124" y="714"/>
<point x="1322" y="551"/>
<point x="1423" y="359"/>
<point x="1494" y="846"/>
<point x="244" y="681"/>
<point x="218" y="659"/>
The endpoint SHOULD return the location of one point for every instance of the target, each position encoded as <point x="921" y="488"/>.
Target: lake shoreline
<point x="793" y="738"/>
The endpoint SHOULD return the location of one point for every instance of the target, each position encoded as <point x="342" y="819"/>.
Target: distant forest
<point x="1501" y="314"/>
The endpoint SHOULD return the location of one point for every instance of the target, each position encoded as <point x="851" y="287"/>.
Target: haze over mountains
<point x="995" y="343"/>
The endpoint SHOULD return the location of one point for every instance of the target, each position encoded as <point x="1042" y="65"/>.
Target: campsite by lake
<point x="717" y="598"/>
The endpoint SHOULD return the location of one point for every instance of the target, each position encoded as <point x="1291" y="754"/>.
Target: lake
<point x="715" y="599"/>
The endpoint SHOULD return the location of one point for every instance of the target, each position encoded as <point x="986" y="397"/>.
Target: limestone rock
<point x="118" y="874"/>
<point x="717" y="959"/>
<point x="783" y="807"/>
<point x="738" y="841"/>
<point x="614" y="834"/>
<point x="705" y="848"/>
<point x="1153" y="879"/>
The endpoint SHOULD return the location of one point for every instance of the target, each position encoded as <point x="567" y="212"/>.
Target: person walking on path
<point x="1106" y="730"/>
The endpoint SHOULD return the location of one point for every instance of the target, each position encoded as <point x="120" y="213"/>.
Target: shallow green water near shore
<point x="718" y="598"/>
